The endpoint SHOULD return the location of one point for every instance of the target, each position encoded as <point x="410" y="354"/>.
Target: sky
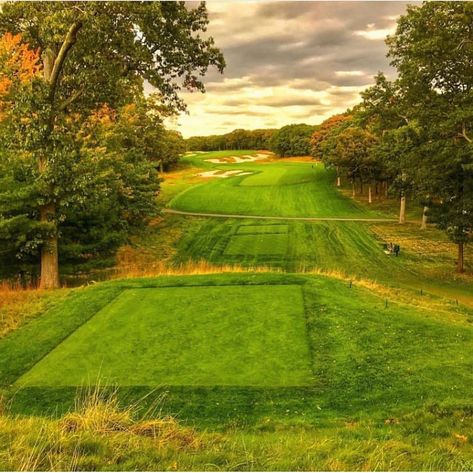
<point x="289" y="62"/>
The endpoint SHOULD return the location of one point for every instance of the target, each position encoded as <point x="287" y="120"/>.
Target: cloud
<point x="289" y="61"/>
<point x="374" y="34"/>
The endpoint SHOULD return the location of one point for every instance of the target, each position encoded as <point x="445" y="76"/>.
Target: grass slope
<point x="367" y="359"/>
<point x="275" y="189"/>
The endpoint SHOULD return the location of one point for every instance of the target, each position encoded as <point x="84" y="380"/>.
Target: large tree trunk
<point x="402" y="210"/>
<point x="49" y="252"/>
<point x="53" y="63"/>
<point x="423" y="225"/>
<point x="461" y="258"/>
<point x="370" y="200"/>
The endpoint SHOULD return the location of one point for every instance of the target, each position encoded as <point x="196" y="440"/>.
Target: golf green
<point x="202" y="335"/>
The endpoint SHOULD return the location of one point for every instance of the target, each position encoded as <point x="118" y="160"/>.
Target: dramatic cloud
<point x="289" y="62"/>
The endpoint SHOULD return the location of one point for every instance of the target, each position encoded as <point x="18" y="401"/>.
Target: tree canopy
<point x="86" y="56"/>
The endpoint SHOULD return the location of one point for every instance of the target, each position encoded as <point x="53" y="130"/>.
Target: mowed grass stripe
<point x="259" y="229"/>
<point x="226" y="335"/>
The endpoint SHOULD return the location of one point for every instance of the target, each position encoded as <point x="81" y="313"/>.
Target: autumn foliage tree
<point x="90" y="54"/>
<point x="322" y="140"/>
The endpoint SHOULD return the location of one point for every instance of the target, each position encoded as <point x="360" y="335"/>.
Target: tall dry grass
<point x="97" y="433"/>
<point x="18" y="304"/>
<point x="133" y="270"/>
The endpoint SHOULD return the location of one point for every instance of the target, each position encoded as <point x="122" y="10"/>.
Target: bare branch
<point x="70" y="100"/>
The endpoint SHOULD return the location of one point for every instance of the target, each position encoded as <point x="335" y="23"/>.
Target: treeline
<point x="290" y="140"/>
<point x="80" y="143"/>
<point x="413" y="136"/>
<point x="236" y="139"/>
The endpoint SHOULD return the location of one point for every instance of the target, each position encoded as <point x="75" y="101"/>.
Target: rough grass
<point x="18" y="305"/>
<point x="101" y="434"/>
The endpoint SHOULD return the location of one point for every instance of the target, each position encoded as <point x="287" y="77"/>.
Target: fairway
<point x="273" y="189"/>
<point x="227" y="335"/>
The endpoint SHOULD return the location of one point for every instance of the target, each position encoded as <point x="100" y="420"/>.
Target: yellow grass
<point x="18" y="305"/>
<point x="438" y="307"/>
<point x="42" y="444"/>
<point x="162" y="268"/>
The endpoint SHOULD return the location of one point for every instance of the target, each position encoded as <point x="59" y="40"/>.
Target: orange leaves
<point x="18" y="65"/>
<point x="17" y="62"/>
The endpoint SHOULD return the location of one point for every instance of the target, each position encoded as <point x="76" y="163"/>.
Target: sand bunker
<point x="224" y="174"/>
<point x="246" y="158"/>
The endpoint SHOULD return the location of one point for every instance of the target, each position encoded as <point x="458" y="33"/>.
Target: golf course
<point x="236" y="236"/>
<point x="311" y="325"/>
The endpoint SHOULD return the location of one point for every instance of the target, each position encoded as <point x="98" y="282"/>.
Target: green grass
<point x="257" y="245"/>
<point x="100" y="436"/>
<point x="293" y="371"/>
<point x="309" y="356"/>
<point x="229" y="335"/>
<point x="349" y="247"/>
<point x="278" y="189"/>
<point x="250" y="229"/>
<point x="365" y="357"/>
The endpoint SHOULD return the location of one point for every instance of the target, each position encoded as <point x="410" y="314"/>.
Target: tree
<point x="237" y="139"/>
<point x="354" y="149"/>
<point x="383" y="110"/>
<point x="118" y="195"/>
<point x="320" y="141"/>
<point x="292" y="140"/>
<point x="432" y="50"/>
<point x="93" y="54"/>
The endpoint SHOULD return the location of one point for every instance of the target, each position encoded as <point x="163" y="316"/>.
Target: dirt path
<point x="265" y="217"/>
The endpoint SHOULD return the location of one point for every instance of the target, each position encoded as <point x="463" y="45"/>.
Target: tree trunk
<point x="49" y="252"/>
<point x="376" y="192"/>
<point x="424" y="218"/>
<point x="338" y="177"/>
<point x="353" y="190"/>
<point x="161" y="167"/>
<point x="370" y="200"/>
<point x="386" y="188"/>
<point x="52" y="67"/>
<point x="361" y="187"/>
<point x="402" y="211"/>
<point x="461" y="258"/>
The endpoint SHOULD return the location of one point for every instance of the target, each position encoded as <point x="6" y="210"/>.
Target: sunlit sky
<point x="289" y="62"/>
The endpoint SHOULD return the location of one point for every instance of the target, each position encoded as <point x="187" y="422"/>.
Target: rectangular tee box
<point x="200" y="335"/>
<point x="256" y="245"/>
<point x="259" y="229"/>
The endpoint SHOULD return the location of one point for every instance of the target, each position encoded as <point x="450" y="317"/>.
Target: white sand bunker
<point x="246" y="158"/>
<point x="224" y="174"/>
